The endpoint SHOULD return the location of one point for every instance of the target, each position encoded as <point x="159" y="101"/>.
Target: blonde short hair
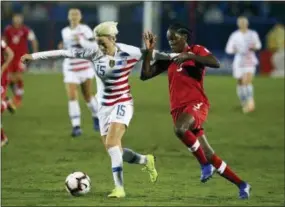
<point x="106" y="28"/>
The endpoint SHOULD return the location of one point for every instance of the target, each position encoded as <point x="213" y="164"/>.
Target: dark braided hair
<point x="180" y="29"/>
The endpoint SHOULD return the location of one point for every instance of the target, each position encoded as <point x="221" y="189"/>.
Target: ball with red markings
<point x="78" y="183"/>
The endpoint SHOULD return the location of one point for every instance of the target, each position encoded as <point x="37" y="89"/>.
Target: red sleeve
<point x="201" y="50"/>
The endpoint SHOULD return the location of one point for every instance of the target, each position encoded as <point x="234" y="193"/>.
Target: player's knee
<point x="112" y="142"/>
<point x="72" y="95"/>
<point x="179" y="131"/>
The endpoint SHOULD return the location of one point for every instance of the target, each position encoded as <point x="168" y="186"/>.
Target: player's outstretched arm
<point x="73" y="53"/>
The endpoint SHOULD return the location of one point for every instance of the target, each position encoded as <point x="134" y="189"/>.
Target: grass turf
<point x="40" y="153"/>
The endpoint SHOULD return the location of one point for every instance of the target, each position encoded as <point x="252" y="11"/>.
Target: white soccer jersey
<point x="112" y="72"/>
<point x="239" y="44"/>
<point x="70" y="38"/>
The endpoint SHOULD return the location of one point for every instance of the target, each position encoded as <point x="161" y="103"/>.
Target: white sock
<point x="19" y="91"/>
<point x="242" y="93"/>
<point x="117" y="165"/>
<point x="249" y="88"/>
<point x="74" y="113"/>
<point x="93" y="106"/>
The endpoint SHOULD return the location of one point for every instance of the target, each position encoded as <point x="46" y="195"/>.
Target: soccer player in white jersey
<point x="78" y="71"/>
<point x="113" y="64"/>
<point x="243" y="43"/>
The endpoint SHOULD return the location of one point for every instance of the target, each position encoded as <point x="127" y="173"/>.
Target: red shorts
<point x="198" y="110"/>
<point x="16" y="66"/>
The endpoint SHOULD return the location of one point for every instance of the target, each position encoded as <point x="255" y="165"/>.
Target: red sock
<point x="193" y="144"/>
<point x="224" y="170"/>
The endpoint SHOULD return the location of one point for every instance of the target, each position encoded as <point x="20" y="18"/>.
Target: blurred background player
<point x="17" y="35"/>
<point x="78" y="71"/>
<point x="275" y="42"/>
<point x="189" y="103"/>
<point x="113" y="63"/>
<point x="243" y="43"/>
<point x="6" y="58"/>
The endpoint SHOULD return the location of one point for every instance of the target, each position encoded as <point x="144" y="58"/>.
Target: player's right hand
<point x="26" y="58"/>
<point x="149" y="40"/>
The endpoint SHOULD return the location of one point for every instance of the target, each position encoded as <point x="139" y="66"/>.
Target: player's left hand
<point x="182" y="57"/>
<point x="149" y="40"/>
<point x="26" y="58"/>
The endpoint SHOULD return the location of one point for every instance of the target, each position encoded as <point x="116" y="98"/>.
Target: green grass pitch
<point x="40" y="153"/>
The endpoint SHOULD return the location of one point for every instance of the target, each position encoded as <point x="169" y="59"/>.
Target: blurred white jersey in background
<point x="240" y="44"/>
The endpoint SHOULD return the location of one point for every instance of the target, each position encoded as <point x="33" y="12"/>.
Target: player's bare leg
<point x="74" y="109"/>
<point x="223" y="169"/>
<point x="183" y="130"/>
<point x="91" y="101"/>
<point x="114" y="149"/>
<point x="18" y="87"/>
<point x="247" y="81"/>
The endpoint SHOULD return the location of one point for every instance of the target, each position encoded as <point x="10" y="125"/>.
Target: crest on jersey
<point x="112" y="63"/>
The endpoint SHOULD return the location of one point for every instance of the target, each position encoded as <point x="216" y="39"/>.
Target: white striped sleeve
<point x="72" y="53"/>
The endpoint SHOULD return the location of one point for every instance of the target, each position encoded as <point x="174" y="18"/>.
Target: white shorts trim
<point x="119" y="113"/>
<point x="238" y="72"/>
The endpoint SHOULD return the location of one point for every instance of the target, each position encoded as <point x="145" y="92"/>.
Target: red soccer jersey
<point x="186" y="80"/>
<point x="17" y="39"/>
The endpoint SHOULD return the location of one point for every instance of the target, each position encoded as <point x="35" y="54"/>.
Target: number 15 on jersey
<point x="100" y="69"/>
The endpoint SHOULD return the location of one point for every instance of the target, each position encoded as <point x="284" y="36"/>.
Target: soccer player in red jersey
<point x="17" y="37"/>
<point x="6" y="58"/>
<point x="189" y="103"/>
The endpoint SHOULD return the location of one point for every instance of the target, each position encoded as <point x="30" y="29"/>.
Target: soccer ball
<point x="78" y="184"/>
